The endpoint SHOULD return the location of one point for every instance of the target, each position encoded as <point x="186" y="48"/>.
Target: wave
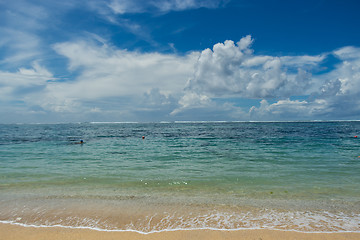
<point x="165" y="230"/>
<point x="299" y="221"/>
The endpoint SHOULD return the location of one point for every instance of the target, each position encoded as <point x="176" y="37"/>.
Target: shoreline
<point x="22" y="225"/>
<point x="10" y="231"/>
<point x="146" y="216"/>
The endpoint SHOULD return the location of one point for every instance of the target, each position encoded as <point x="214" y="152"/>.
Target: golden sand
<point x="14" y="232"/>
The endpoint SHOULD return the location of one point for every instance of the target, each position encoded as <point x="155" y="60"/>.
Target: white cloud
<point x="232" y="70"/>
<point x="103" y="79"/>
<point x="107" y="71"/>
<point x="138" y="6"/>
<point x="155" y="97"/>
<point x="121" y="7"/>
<point x="22" y="14"/>
<point x="245" y="43"/>
<point x="344" y="80"/>
<point x="180" y="5"/>
<point x="337" y="98"/>
<point x="289" y="110"/>
<point x="15" y="89"/>
<point x="104" y="72"/>
<point x="348" y="53"/>
<point x="19" y="22"/>
<point x="115" y="12"/>
<point x="19" y="46"/>
<point x="22" y="79"/>
<point x="193" y="100"/>
<point x="117" y="82"/>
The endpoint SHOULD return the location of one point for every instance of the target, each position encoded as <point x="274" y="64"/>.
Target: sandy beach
<point x="14" y="232"/>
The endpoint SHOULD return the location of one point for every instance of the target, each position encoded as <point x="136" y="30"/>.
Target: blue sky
<point x="172" y="60"/>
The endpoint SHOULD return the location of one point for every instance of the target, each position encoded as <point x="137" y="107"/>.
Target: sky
<point x="179" y="60"/>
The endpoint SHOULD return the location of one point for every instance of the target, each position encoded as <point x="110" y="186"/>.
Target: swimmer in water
<point x="81" y="142"/>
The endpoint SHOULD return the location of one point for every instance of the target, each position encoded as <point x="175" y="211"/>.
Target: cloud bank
<point x="107" y="79"/>
<point x="232" y="70"/>
<point x="112" y="84"/>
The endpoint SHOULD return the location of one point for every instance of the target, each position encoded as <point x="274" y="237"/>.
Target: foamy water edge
<point x="164" y="230"/>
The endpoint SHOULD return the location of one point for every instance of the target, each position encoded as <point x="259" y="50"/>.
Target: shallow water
<point x="284" y="175"/>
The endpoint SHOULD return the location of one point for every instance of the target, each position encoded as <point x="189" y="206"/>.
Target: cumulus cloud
<point x="232" y="70"/>
<point x="337" y="98"/>
<point x="289" y="110"/>
<point x="156" y="98"/>
<point x="193" y="100"/>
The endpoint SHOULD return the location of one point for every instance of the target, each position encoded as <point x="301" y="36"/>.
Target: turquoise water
<point x="301" y="176"/>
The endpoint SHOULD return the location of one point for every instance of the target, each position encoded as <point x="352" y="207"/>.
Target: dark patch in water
<point x="117" y="152"/>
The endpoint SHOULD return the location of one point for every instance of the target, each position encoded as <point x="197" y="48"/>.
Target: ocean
<point x="299" y="176"/>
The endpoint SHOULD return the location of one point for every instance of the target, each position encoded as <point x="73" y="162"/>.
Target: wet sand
<point x="15" y="232"/>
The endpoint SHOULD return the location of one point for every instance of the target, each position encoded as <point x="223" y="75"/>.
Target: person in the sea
<point x="81" y="142"/>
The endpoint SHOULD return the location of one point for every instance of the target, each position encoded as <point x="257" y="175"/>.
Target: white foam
<point x="163" y="230"/>
<point x="307" y="222"/>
